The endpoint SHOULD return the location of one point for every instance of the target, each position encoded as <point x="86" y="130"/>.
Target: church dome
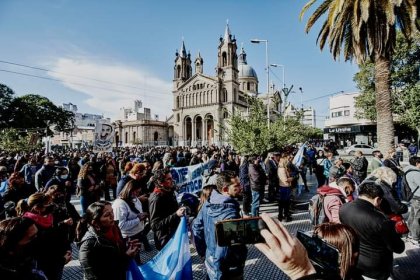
<point x="245" y="71"/>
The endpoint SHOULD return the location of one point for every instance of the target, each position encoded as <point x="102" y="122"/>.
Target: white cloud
<point x="124" y="85"/>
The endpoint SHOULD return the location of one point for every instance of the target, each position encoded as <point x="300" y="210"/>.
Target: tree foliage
<point x="404" y="84"/>
<point x="6" y="96"/>
<point x="251" y="135"/>
<point x="13" y="140"/>
<point x="35" y="111"/>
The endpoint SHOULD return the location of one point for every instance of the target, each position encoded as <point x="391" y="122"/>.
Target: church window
<point x="248" y="86"/>
<point x="178" y="117"/>
<point x="134" y="137"/>
<point x="225" y="114"/>
<point x="177" y="102"/>
<point x="178" y="71"/>
<point x="224" y="59"/>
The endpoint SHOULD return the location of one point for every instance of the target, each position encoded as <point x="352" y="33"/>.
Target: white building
<point x="343" y="127"/>
<point x="309" y="115"/>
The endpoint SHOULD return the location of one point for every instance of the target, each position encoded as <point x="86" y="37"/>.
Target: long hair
<point x="126" y="194"/>
<point x="36" y="199"/>
<point x="385" y="174"/>
<point x="12" y="231"/>
<point x="205" y="194"/>
<point x="345" y="239"/>
<point x="93" y="214"/>
<point x="84" y="170"/>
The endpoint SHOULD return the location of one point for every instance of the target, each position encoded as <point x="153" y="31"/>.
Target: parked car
<point x="366" y="149"/>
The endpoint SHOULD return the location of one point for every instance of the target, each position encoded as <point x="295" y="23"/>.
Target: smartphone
<point x="323" y="255"/>
<point x="239" y="231"/>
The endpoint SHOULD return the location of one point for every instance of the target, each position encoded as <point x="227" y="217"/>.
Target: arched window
<point x="178" y="117"/>
<point x="178" y="71"/>
<point x="134" y="137"/>
<point x="126" y="137"/>
<point x="177" y="102"/>
<point x="224" y="59"/>
<point x="155" y="136"/>
<point x="224" y="97"/>
<point x="248" y="86"/>
<point x="225" y="114"/>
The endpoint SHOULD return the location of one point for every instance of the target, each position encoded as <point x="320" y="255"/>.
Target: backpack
<point x="316" y="208"/>
<point x="406" y="192"/>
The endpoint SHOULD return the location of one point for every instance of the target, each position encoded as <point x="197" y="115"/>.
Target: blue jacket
<point x="219" y="260"/>
<point x="244" y="177"/>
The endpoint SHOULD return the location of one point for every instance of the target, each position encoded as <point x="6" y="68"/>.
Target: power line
<point x="76" y="76"/>
<point x="75" y="83"/>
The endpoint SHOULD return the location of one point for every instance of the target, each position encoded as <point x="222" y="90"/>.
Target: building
<point x="309" y="115"/>
<point x="202" y="103"/>
<point x="138" y="128"/>
<point x="343" y="127"/>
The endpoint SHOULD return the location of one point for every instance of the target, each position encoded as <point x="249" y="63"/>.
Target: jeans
<point x="414" y="219"/>
<point x="255" y="204"/>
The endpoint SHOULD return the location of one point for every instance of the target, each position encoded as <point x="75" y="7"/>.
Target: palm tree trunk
<point x="384" y="119"/>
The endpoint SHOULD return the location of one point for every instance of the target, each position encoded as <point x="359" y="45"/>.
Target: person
<point x="45" y="173"/>
<point x="412" y="149"/>
<point x="28" y="171"/>
<point x="129" y="215"/>
<point x="376" y="160"/>
<point x="319" y="168"/>
<point x="348" y="173"/>
<point x="392" y="161"/>
<point x="328" y="162"/>
<point x="220" y="262"/>
<point x="334" y="197"/>
<point x="164" y="211"/>
<point x="102" y="252"/>
<point x="360" y="166"/>
<point x="210" y="175"/>
<point x="412" y="175"/>
<point x="17" y="250"/>
<point x="273" y="178"/>
<point x="108" y="175"/>
<point x="378" y="238"/>
<point x="16" y="188"/>
<point x="284" y="190"/>
<point x="311" y="154"/>
<point x="52" y="253"/>
<point x="391" y="204"/>
<point x="205" y="195"/>
<point x="61" y="178"/>
<point x="246" y="189"/>
<point x="137" y="171"/>
<point x="257" y="180"/>
<point x="87" y="185"/>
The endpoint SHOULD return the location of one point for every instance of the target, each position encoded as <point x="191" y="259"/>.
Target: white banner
<point x="104" y="136"/>
<point x="188" y="179"/>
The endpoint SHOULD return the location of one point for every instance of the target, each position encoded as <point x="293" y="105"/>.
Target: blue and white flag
<point x="297" y="160"/>
<point x="173" y="262"/>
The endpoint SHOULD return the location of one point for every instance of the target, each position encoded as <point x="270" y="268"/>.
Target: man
<point x="43" y="175"/>
<point x="377" y="160"/>
<point x="412" y="149"/>
<point x="257" y="179"/>
<point x="360" y="166"/>
<point x="221" y="262"/>
<point x="273" y="179"/>
<point x="377" y="234"/>
<point x="412" y="175"/>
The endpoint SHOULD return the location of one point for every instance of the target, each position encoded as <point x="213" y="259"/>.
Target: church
<point x="203" y="103"/>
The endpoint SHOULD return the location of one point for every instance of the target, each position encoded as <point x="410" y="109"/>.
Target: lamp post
<point x="284" y="81"/>
<point x="267" y="68"/>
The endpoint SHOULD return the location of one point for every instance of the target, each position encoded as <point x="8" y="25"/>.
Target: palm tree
<point x="366" y="30"/>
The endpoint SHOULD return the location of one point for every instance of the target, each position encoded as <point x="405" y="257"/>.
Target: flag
<point x="173" y="262"/>
<point x="297" y="160"/>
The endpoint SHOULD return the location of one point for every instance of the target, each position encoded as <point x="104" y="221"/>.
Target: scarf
<point x="114" y="236"/>
<point x="43" y="222"/>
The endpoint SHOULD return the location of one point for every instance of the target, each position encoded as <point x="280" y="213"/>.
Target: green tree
<point x="13" y="140"/>
<point x="6" y="96"/>
<point x="366" y="29"/>
<point x="35" y="111"/>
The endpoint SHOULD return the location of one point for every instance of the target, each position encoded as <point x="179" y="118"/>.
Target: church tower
<point x="227" y="68"/>
<point x="182" y="68"/>
<point x="199" y="64"/>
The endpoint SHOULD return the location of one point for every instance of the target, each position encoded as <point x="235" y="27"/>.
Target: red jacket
<point x="332" y="202"/>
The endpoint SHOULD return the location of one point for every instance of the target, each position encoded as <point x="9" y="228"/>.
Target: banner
<point x="104" y="136"/>
<point x="297" y="160"/>
<point x="189" y="178"/>
<point x="172" y="262"/>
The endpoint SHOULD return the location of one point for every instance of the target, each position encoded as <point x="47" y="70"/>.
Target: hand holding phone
<point x="284" y="250"/>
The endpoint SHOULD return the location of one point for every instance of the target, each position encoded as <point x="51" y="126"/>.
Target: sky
<point x="103" y="54"/>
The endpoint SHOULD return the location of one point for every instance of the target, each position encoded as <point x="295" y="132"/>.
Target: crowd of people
<point x="128" y="193"/>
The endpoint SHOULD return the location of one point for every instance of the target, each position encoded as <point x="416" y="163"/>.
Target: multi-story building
<point x="343" y="127"/>
<point x="202" y="103"/>
<point x="309" y="114"/>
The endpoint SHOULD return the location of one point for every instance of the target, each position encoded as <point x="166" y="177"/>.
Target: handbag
<point x="401" y="226"/>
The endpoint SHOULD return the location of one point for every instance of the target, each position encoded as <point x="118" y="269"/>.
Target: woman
<point x="284" y="191"/>
<point x="205" y="194"/>
<point x="16" y="189"/>
<point x="61" y="178"/>
<point x="87" y="186"/>
<point x="387" y="179"/>
<point x="164" y="211"/>
<point x="319" y="168"/>
<point x="136" y="173"/>
<point x="129" y="215"/>
<point x="109" y="175"/>
<point x="17" y="250"/>
<point x="392" y="161"/>
<point x="103" y="254"/>
<point x="53" y="253"/>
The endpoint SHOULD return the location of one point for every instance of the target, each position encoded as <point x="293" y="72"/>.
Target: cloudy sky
<point x="103" y="54"/>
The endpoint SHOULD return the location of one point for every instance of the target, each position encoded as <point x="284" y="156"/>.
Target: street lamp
<point x="283" y="70"/>
<point x="267" y="68"/>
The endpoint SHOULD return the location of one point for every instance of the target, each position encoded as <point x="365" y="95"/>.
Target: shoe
<point x="264" y="200"/>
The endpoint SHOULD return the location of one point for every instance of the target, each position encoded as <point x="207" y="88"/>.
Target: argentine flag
<point x="297" y="160"/>
<point x="173" y="262"/>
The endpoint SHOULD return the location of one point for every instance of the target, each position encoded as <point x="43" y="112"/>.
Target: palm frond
<point x="317" y="14"/>
<point x="305" y="8"/>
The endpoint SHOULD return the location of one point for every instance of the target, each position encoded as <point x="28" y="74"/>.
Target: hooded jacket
<point x="100" y="258"/>
<point x="219" y="260"/>
<point x="332" y="202"/>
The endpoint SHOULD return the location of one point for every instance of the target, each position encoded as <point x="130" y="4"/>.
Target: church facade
<point x="203" y="103"/>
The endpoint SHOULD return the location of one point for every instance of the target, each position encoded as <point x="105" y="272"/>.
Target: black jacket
<point x="163" y="218"/>
<point x="257" y="177"/>
<point x="378" y="238"/>
<point x="101" y="259"/>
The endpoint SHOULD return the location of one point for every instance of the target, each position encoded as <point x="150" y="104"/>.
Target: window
<point x="346" y="113"/>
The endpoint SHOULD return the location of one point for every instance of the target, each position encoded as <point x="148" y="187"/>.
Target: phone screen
<point x="322" y="254"/>
<point x="238" y="231"/>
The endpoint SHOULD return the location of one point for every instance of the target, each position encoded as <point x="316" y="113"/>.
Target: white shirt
<point x="128" y="221"/>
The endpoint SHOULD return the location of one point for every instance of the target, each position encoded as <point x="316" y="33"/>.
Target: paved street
<point x="259" y="267"/>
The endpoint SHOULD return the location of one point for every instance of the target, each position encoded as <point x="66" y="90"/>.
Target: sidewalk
<point x="257" y="266"/>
